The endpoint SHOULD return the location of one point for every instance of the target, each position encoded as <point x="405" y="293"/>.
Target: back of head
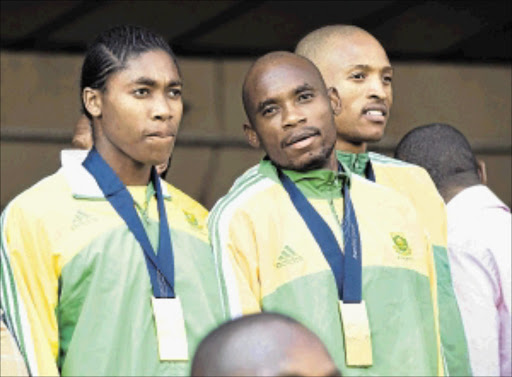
<point x="110" y="51"/>
<point x="444" y="152"/>
<point x="262" y="344"/>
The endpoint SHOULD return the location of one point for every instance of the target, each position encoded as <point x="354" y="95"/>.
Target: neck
<point x="332" y="162"/>
<point x="452" y="185"/>
<point x="449" y="193"/>
<point x="346" y="146"/>
<point x="130" y="172"/>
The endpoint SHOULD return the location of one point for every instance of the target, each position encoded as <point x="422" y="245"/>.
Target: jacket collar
<point x="82" y="183"/>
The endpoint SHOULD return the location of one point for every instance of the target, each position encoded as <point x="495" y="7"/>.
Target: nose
<point x="162" y="108"/>
<point x="292" y="116"/>
<point x="377" y="88"/>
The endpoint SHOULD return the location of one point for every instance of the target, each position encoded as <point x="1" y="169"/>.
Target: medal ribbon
<point x="161" y="265"/>
<point x="346" y="268"/>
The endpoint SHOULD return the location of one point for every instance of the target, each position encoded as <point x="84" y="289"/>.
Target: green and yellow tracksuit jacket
<point x="75" y="286"/>
<point x="415" y="183"/>
<point x="268" y="260"/>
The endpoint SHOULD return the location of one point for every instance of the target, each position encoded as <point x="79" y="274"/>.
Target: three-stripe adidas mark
<point x="287" y="257"/>
<point x="81" y="218"/>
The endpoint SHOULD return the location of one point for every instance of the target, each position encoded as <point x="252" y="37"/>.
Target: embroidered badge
<point x="400" y="244"/>
<point x="192" y="220"/>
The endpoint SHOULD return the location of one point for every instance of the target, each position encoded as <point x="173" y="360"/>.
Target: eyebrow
<point x="150" y="82"/>
<point x="270" y="101"/>
<point x="303" y="88"/>
<point x="263" y="104"/>
<point x="366" y="67"/>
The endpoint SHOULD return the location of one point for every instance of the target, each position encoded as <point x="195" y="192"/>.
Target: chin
<point x="365" y="137"/>
<point x="373" y="138"/>
<point x="314" y="161"/>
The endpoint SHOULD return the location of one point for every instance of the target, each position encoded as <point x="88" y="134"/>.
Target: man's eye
<point x="387" y="79"/>
<point x="305" y="96"/>
<point x="175" y="92"/>
<point x="141" y="92"/>
<point x="269" y="111"/>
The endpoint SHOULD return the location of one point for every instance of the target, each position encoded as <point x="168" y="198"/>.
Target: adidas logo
<point x="81" y="218"/>
<point x="287" y="257"/>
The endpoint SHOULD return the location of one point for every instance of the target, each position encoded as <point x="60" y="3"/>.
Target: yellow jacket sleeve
<point x="30" y="281"/>
<point x="236" y="255"/>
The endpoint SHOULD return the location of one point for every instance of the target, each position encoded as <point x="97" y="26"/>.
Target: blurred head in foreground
<point x="264" y="344"/>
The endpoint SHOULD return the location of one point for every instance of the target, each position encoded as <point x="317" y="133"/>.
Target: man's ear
<point x="335" y="98"/>
<point x="251" y="135"/>
<point x="92" y="101"/>
<point x="482" y="171"/>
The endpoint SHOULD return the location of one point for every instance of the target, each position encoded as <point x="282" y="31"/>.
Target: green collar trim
<point x="316" y="184"/>
<point x="355" y="162"/>
<point x="150" y="192"/>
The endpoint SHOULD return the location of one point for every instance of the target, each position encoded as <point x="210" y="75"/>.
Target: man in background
<point x="354" y="62"/>
<point x="479" y="241"/>
<point x="264" y="344"/>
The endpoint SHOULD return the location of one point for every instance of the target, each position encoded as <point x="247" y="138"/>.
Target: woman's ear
<point x="92" y="101"/>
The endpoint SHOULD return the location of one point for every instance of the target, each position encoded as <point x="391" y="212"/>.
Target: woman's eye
<point x="358" y="76"/>
<point x="141" y="92"/>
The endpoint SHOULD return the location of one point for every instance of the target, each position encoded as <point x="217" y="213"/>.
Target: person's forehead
<point x="358" y="49"/>
<point x="283" y="76"/>
<point x="157" y="65"/>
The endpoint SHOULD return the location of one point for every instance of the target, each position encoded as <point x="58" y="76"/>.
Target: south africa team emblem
<point x="400" y="244"/>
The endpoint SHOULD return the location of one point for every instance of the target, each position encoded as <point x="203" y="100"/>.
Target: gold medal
<point x="356" y="329"/>
<point x="170" y="328"/>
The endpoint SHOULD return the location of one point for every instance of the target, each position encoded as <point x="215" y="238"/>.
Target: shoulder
<point x="409" y="179"/>
<point x="186" y="203"/>
<point x="371" y="197"/>
<point x="365" y="188"/>
<point x="244" y="192"/>
<point x="380" y="159"/>
<point x="384" y="164"/>
<point x="479" y="209"/>
<point x="41" y="198"/>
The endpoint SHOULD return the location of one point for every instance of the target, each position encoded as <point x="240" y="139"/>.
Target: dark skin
<point x="291" y="112"/>
<point x="136" y="117"/>
<point x="257" y="347"/>
<point x="82" y="139"/>
<point x="357" y="66"/>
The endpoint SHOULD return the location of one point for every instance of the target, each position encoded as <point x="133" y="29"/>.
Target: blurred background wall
<point x="39" y="98"/>
<point x="41" y="91"/>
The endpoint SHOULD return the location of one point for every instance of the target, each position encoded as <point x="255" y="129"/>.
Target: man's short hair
<point x="442" y="150"/>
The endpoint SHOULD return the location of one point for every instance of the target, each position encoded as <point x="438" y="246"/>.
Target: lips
<point x="299" y="136"/>
<point x="375" y="109"/>
<point x="376" y="113"/>
<point x="160" y="134"/>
